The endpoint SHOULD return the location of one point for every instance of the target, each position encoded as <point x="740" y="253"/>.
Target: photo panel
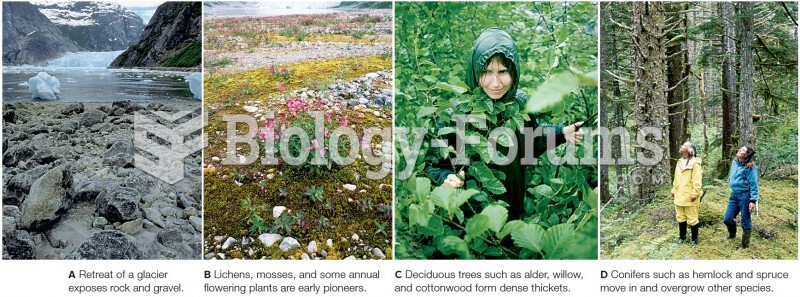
<point x="299" y="157"/>
<point x="700" y="104"/>
<point x="101" y="130"/>
<point x="496" y="103"/>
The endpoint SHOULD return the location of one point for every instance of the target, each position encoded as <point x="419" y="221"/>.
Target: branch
<point x="627" y="80"/>
<point x="789" y="13"/>
<point x="678" y="84"/>
<point x="679" y="103"/>
<point x="675" y="54"/>
<point x="620" y="25"/>
<point x="677" y="38"/>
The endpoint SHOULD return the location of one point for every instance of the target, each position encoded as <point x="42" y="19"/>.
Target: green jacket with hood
<point x="489" y="43"/>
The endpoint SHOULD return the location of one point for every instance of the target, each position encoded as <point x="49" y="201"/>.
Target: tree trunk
<point x="605" y="196"/>
<point x="677" y="70"/>
<point x="649" y="92"/>
<point x="746" y="68"/>
<point x="729" y="87"/>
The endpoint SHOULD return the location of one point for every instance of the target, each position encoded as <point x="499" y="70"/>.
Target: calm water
<point x="94" y="84"/>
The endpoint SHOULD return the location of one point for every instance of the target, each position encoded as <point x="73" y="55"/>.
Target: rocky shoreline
<point x="70" y="190"/>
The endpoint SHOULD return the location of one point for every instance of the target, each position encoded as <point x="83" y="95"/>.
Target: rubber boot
<point x="695" y="232"/>
<point x="745" y="239"/>
<point x="682" y="232"/>
<point x="731" y="231"/>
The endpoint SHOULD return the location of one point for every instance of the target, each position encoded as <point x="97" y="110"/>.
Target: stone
<point x="19" y="245"/>
<point x="197" y="223"/>
<point x="190" y="212"/>
<point x="47" y="200"/>
<point x="170" y="238"/>
<point x="277" y="211"/>
<point x="120" y="154"/>
<point x="329" y="242"/>
<point x="355" y="237"/>
<point x="99" y="222"/>
<point x="378" y="253"/>
<point x="119" y="204"/>
<point x="289" y="243"/>
<point x="44" y="156"/>
<point x="349" y="187"/>
<point x="92" y="117"/>
<point x="305" y="256"/>
<point x="16" y="154"/>
<point x="107" y="245"/>
<point x="85" y="188"/>
<point x="186" y="201"/>
<point x="10" y="116"/>
<point x="323" y="253"/>
<point x="10" y="210"/>
<point x="9" y="225"/>
<point x="100" y="127"/>
<point x="37" y="128"/>
<point x="131" y="227"/>
<point x="312" y="247"/>
<point x="268" y="239"/>
<point x="228" y="242"/>
<point x="154" y="216"/>
<point x="351" y="258"/>
<point x="73" y="108"/>
<point x="68" y="127"/>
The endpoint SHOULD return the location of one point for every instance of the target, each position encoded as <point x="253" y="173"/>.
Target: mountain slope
<point x="171" y="39"/>
<point x="30" y="38"/>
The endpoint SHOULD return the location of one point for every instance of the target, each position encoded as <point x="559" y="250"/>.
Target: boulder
<point x="107" y="245"/>
<point x="47" y="200"/>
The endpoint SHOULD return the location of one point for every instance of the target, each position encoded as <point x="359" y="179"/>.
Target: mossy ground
<point x="649" y="231"/>
<point x="353" y="212"/>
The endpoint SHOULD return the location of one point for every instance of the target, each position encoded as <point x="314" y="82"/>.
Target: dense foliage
<point x="557" y="45"/>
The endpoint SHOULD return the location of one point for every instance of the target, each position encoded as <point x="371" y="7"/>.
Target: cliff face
<point x="30" y="38"/>
<point x="171" y="39"/>
<point x="95" y="26"/>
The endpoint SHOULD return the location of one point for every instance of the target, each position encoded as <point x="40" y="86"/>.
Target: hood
<point x="490" y="42"/>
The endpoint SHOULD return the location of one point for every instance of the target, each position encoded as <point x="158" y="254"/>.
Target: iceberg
<point x="44" y="86"/>
<point x="196" y="84"/>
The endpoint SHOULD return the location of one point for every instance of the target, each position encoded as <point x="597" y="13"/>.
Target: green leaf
<point x="510" y="227"/>
<point x="435" y="227"/>
<point x="425" y="111"/>
<point x="528" y="237"/>
<point x="484" y="175"/>
<point x="493" y="252"/>
<point x="458" y="90"/>
<point x="423" y="187"/>
<point x="497" y="216"/>
<point x="528" y="205"/>
<point x="449" y="198"/>
<point x="420" y="214"/>
<point x="446" y="130"/>
<point x="542" y="191"/>
<point x="476" y="225"/>
<point x="454" y="245"/>
<point x="557" y="240"/>
<point x="551" y="92"/>
<point x="591" y="199"/>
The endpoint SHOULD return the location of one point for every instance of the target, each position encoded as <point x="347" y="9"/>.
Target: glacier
<point x="85" y="59"/>
<point x="44" y="86"/>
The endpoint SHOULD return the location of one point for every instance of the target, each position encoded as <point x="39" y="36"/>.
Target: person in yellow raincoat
<point x="687" y="188"/>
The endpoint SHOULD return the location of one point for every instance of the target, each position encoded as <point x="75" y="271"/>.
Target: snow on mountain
<point x="96" y="26"/>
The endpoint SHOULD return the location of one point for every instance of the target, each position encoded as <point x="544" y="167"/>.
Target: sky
<point x="143" y="8"/>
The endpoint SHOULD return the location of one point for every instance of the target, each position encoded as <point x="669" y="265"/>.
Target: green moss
<point x="190" y="56"/>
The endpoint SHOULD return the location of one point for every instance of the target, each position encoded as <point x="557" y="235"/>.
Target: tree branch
<point x="620" y="25"/>
<point x="678" y="84"/>
<point x="679" y="103"/>
<point x="789" y="13"/>
<point x="627" y="80"/>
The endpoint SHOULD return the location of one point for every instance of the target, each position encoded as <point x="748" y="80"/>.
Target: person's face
<point x="684" y="150"/>
<point x="495" y="80"/>
<point x="741" y="153"/>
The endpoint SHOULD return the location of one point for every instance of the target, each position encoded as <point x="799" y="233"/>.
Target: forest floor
<point x="649" y="231"/>
<point x="336" y="64"/>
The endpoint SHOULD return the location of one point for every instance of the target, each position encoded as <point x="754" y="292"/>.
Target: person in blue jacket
<point x="743" y="179"/>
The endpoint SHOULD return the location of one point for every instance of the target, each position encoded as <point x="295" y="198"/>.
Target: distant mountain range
<point x="36" y="33"/>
